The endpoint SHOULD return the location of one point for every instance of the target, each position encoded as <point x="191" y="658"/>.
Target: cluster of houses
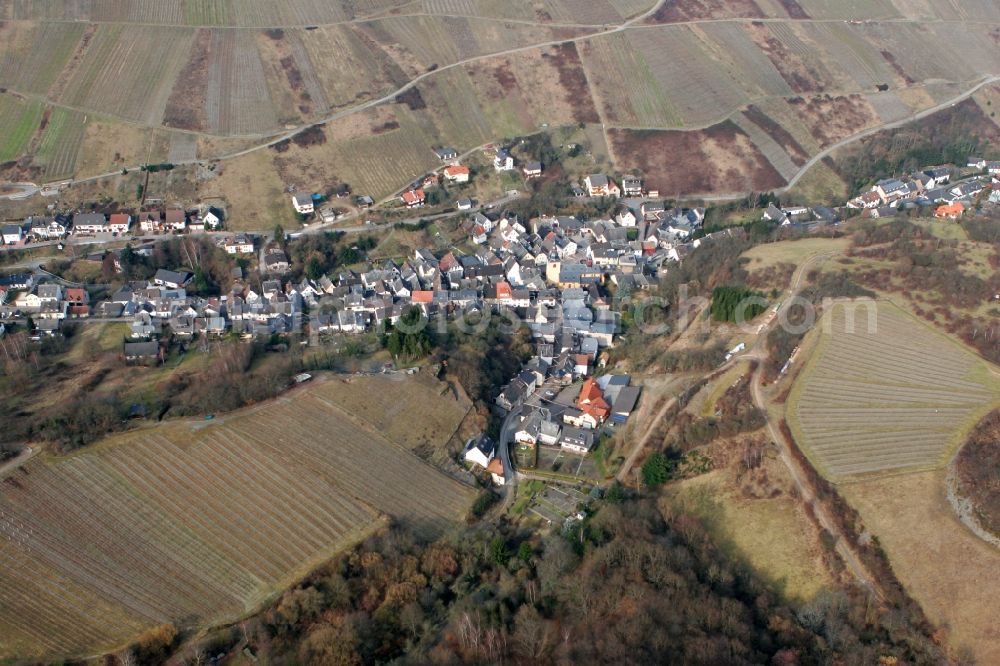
<point x="931" y="188"/>
<point x="415" y="196"/>
<point x="151" y="306"/>
<point x="154" y="221"/>
<point x="555" y="412"/>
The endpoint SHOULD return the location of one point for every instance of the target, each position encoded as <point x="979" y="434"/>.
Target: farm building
<point x="445" y="154"/>
<point x="624" y="404"/>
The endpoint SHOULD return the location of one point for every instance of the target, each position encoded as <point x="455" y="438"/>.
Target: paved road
<point x="507" y="430"/>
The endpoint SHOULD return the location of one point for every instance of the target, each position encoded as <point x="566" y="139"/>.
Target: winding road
<point x="28" y="189"/>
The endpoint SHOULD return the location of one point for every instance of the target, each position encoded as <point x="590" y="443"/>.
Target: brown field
<point x="944" y="566"/>
<point x="425" y="414"/>
<point x="673" y="12"/>
<point x="719" y="159"/>
<point x="199" y="522"/>
<point x="832" y="118"/>
<point x="185" y="107"/>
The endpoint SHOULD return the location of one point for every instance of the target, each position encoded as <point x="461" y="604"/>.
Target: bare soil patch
<point x="831" y="119"/>
<point x="573" y="79"/>
<point x="186" y="105"/>
<point x="720" y="159"/>
<point x="891" y="59"/>
<point x="794" y="9"/>
<point x="798" y="73"/>
<point x="672" y="12"/>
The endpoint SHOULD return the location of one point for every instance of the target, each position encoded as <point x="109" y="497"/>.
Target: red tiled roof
<point x="413" y="196"/>
<point x="504" y="290"/>
<point x="456" y="171"/>
<point x="118" y="218"/>
<point x="422" y="296"/>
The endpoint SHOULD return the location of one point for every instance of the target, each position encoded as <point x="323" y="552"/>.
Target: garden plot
<point x="897" y="397"/>
<point x="197" y="523"/>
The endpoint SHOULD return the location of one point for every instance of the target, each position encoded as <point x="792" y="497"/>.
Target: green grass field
<point x="18" y="123"/>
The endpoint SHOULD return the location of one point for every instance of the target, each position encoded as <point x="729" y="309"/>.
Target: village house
<point x="239" y="244"/>
<point x="495" y="470"/>
<point x="631" y="186"/>
<point x="303" y="204"/>
<point x="174" y="219"/>
<point x="599" y="185"/>
<point x="150" y="221"/>
<point x="456" y="174"/>
<point x="591" y="401"/>
<point x="141" y="351"/>
<point x="413" y="198"/>
<point x="951" y="211"/>
<point x="532" y="170"/>
<point x="480" y="450"/>
<point x="171" y="279"/>
<point x="12" y="234"/>
<point x="46" y="228"/>
<point x="577" y="440"/>
<point x="503" y="161"/>
<point x="119" y="223"/>
<point x="276" y="261"/>
<point x="90" y="223"/>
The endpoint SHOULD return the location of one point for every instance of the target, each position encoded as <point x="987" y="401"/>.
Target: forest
<point x="637" y="581"/>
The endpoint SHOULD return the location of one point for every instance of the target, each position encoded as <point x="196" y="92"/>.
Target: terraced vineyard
<point x="60" y="143"/>
<point x="893" y="396"/>
<point x="196" y="523"/>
